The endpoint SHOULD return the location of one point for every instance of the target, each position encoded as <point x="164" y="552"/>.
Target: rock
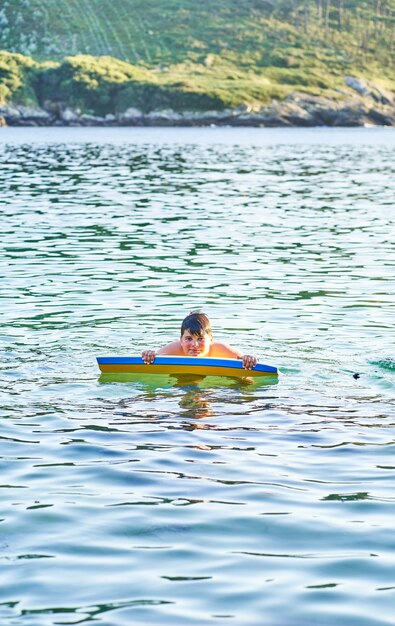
<point x="166" y="117"/>
<point x="10" y="113"/>
<point x="357" y="85"/>
<point x="19" y="115"/>
<point x="54" y="106"/>
<point x="243" y="108"/>
<point x="26" y="122"/>
<point x="375" y="107"/>
<point x="303" y="110"/>
<point x="322" y="111"/>
<point x="297" y="113"/>
<point x="274" y="121"/>
<point x="226" y="114"/>
<point x="255" y="120"/>
<point x="110" y="119"/>
<point x="371" y="90"/>
<point x="382" y="95"/>
<point x="91" y="120"/>
<point x="131" y="116"/>
<point x="69" y="116"/>
<point x="207" y="118"/>
<point x="350" y="114"/>
<point x="383" y="117"/>
<point x="34" y="114"/>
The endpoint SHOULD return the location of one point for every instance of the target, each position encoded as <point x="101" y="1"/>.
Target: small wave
<point x="387" y="363"/>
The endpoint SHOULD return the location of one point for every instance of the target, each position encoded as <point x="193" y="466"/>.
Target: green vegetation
<point x="108" y="55"/>
<point x="102" y="84"/>
<point x="16" y="72"/>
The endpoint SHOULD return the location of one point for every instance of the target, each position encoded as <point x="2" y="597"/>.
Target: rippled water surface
<point x="215" y="503"/>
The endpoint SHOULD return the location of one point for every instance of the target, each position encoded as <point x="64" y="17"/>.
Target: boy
<point x="197" y="340"/>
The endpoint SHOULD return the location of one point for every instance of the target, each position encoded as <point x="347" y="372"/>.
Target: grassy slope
<point x="211" y="53"/>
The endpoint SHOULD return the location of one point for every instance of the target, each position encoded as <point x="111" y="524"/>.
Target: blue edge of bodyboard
<point x="180" y="360"/>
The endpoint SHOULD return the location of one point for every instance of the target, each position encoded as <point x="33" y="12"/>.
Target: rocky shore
<point x="361" y="105"/>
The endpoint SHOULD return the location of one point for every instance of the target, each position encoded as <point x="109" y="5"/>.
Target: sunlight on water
<point x="152" y="502"/>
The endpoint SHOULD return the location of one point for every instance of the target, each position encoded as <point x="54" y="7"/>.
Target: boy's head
<point x="196" y="337"/>
<point x="197" y="323"/>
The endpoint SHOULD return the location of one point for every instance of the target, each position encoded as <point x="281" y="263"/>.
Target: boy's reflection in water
<point x="195" y="403"/>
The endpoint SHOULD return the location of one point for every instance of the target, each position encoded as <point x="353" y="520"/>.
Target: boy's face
<point x="195" y="345"/>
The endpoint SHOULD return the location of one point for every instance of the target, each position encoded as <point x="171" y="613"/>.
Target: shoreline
<point x="295" y="111"/>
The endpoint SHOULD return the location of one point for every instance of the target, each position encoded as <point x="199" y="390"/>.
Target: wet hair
<point x="197" y="323"/>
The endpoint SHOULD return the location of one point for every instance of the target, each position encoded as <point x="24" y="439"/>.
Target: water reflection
<point x="195" y="395"/>
<point x="195" y="404"/>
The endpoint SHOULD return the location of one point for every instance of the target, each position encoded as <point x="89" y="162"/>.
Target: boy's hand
<point x="148" y="356"/>
<point x="249" y="361"/>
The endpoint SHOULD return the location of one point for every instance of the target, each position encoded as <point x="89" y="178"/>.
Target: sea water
<point x="188" y="504"/>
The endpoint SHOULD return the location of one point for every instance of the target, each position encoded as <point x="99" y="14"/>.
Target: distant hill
<point x="199" y="54"/>
<point x="170" y="31"/>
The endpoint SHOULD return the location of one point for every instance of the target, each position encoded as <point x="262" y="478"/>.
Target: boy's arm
<point x="222" y="350"/>
<point x="173" y="348"/>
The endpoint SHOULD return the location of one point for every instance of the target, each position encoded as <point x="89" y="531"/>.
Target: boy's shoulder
<point x="220" y="349"/>
<point x="173" y="349"/>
